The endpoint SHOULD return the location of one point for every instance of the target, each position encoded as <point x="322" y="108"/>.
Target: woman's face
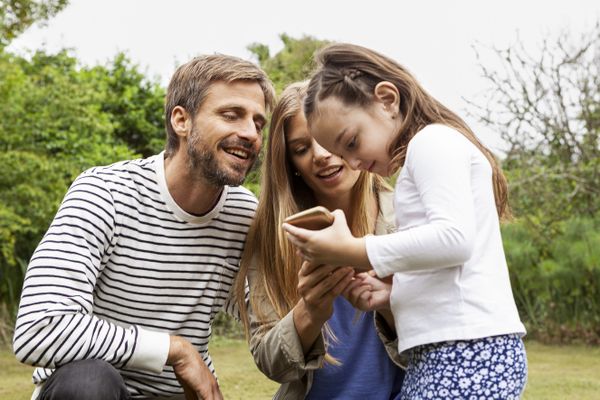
<point x="327" y="175"/>
<point x="361" y="136"/>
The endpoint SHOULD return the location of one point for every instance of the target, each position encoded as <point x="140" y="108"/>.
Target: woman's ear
<point x="181" y="121"/>
<point x="387" y="94"/>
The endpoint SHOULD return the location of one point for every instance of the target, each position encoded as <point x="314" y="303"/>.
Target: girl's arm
<point x="439" y="173"/>
<point x="334" y="245"/>
<point x="439" y="165"/>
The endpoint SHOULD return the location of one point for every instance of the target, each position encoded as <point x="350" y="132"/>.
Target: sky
<point x="434" y="39"/>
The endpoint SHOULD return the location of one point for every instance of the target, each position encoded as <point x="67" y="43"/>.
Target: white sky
<point x="433" y="39"/>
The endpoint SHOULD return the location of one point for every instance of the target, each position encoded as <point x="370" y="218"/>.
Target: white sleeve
<point x="439" y="163"/>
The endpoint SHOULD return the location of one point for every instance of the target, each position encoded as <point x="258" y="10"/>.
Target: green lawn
<point x="555" y="373"/>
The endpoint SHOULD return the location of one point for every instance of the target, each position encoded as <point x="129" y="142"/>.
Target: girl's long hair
<point x="283" y="194"/>
<point x="350" y="73"/>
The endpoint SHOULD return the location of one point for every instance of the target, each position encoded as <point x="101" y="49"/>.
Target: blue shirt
<point x="366" y="371"/>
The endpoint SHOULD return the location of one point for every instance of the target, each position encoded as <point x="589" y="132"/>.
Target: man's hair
<point x="191" y="81"/>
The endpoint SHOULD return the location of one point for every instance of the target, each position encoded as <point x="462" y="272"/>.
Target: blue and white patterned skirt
<point x="488" y="368"/>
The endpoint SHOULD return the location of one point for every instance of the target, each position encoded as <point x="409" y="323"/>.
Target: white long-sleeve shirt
<point x="121" y="268"/>
<point x="450" y="275"/>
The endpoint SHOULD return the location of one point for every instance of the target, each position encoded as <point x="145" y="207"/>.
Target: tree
<point x="134" y="105"/>
<point x="292" y="63"/>
<point x="18" y="15"/>
<point x="56" y="120"/>
<point x="547" y="110"/>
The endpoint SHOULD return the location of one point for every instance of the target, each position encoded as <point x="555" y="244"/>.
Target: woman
<point x="296" y="319"/>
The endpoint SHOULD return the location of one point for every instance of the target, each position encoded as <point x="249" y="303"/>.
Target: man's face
<point x="225" y="138"/>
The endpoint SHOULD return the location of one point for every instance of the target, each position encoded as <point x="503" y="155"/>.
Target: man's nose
<point x="248" y="131"/>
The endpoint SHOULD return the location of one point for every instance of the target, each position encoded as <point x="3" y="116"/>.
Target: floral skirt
<point x="488" y="368"/>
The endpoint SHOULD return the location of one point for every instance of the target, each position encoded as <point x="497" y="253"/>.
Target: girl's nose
<point x="320" y="155"/>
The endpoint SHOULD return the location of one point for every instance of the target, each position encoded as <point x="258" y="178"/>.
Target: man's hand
<point x="192" y="373"/>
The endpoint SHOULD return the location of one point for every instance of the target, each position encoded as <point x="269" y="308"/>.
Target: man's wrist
<point x="176" y="349"/>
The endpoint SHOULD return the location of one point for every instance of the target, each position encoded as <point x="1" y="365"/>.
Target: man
<point x="120" y="294"/>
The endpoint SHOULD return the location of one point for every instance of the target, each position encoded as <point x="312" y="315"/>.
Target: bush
<point x="56" y="120"/>
<point x="558" y="294"/>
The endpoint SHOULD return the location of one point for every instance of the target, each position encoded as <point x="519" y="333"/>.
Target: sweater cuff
<point x="371" y="244"/>
<point x="292" y="346"/>
<point x="151" y="351"/>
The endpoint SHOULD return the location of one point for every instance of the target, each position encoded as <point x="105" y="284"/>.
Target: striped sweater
<point x="122" y="267"/>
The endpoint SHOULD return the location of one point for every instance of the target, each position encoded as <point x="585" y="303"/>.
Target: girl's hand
<point x="334" y="245"/>
<point x="367" y="292"/>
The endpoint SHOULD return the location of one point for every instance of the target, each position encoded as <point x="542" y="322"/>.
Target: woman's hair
<point x="350" y="73"/>
<point x="282" y="194"/>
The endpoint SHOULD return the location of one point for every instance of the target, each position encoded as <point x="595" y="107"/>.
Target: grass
<point x="555" y="373"/>
<point x="563" y="372"/>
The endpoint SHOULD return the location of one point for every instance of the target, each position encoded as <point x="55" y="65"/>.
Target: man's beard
<point x="203" y="163"/>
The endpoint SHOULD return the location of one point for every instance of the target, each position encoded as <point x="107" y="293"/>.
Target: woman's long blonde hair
<point x="350" y="73"/>
<point x="283" y="194"/>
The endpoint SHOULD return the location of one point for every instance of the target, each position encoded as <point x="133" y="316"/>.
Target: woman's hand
<point x="334" y="245"/>
<point x="367" y="292"/>
<point x="318" y="286"/>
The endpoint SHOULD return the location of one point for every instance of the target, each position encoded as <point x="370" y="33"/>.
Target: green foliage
<point x="557" y="287"/>
<point x="292" y="63"/>
<point x="134" y="105"/>
<point x="18" y="15"/>
<point x="546" y="107"/>
<point x="56" y="120"/>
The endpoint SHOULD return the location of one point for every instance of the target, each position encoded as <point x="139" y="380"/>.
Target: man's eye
<point x="230" y="116"/>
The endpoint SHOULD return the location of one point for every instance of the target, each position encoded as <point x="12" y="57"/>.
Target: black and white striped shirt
<point x="122" y="267"/>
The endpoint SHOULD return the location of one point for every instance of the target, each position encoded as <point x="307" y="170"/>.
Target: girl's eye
<point x="352" y="143"/>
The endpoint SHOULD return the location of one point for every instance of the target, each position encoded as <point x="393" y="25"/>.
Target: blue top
<point x="366" y="371"/>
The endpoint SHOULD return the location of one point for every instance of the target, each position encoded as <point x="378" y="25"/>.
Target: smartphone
<point x="315" y="218"/>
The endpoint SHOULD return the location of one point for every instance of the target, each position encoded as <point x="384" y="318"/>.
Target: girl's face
<point x="361" y="136"/>
<point x="327" y="175"/>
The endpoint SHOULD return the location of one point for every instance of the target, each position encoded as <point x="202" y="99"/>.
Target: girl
<point x="292" y="304"/>
<point x="451" y="297"/>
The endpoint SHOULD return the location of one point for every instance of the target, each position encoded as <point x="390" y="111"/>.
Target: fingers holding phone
<point x="325" y="246"/>
<point x="320" y="285"/>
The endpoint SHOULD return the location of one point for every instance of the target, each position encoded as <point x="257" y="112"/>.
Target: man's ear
<point x="181" y="121"/>
<point x="387" y="94"/>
